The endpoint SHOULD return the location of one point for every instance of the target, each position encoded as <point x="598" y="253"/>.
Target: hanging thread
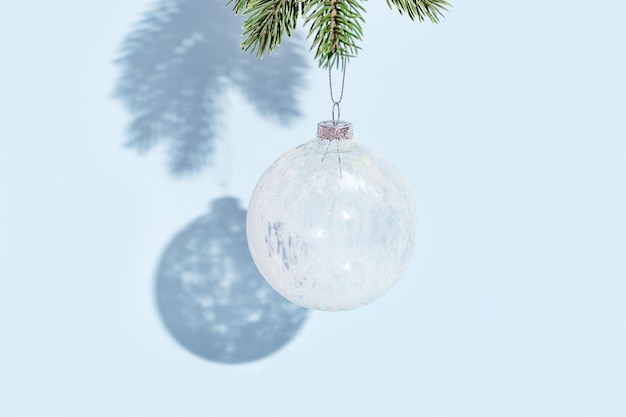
<point x="332" y="97"/>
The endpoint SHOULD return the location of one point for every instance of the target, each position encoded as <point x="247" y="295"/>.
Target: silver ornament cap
<point x="339" y="130"/>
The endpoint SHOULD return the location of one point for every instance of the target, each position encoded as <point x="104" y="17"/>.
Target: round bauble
<point x="331" y="224"/>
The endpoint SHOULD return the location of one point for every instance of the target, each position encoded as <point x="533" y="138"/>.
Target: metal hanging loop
<point x="332" y="96"/>
<point x="336" y="106"/>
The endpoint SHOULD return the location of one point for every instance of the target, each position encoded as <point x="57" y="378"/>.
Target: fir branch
<point x="433" y="9"/>
<point x="267" y="21"/>
<point x="335" y="24"/>
<point x="337" y="28"/>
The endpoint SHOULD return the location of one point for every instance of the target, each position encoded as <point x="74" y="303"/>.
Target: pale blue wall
<point x="508" y="121"/>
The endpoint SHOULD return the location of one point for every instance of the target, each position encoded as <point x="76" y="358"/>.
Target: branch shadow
<point x="178" y="62"/>
<point x="211" y="297"/>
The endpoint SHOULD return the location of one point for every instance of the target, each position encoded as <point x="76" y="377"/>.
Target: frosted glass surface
<point x="331" y="225"/>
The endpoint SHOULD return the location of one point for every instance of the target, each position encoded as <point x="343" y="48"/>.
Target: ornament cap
<point x="339" y="130"/>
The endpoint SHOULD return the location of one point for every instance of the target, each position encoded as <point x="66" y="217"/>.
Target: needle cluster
<point x="335" y="25"/>
<point x="431" y="9"/>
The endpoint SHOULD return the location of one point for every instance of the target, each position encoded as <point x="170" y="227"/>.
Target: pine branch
<point x="433" y="9"/>
<point x="337" y="28"/>
<point x="335" y="24"/>
<point x="267" y="21"/>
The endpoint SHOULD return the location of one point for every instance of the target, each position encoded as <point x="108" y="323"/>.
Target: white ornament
<point x="331" y="225"/>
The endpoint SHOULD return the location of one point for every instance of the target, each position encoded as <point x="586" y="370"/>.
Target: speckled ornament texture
<point x="331" y="225"/>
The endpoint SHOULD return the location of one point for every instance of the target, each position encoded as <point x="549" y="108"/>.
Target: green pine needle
<point x="240" y="5"/>
<point x="267" y="21"/>
<point x="335" y="24"/>
<point x="433" y="9"/>
<point x="337" y="28"/>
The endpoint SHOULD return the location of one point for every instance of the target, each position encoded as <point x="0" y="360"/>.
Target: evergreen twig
<point x="335" y="24"/>
<point x="267" y="21"/>
<point x="337" y="28"/>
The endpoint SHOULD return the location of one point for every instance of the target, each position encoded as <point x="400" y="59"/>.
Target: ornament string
<point x="332" y="97"/>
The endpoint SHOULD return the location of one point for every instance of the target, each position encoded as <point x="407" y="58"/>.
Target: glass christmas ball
<point x="332" y="225"/>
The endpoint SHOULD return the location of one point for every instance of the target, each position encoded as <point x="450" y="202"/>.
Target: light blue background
<point x="508" y="120"/>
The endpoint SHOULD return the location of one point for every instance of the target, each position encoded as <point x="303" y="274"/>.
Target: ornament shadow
<point x="212" y="299"/>
<point x="179" y="61"/>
